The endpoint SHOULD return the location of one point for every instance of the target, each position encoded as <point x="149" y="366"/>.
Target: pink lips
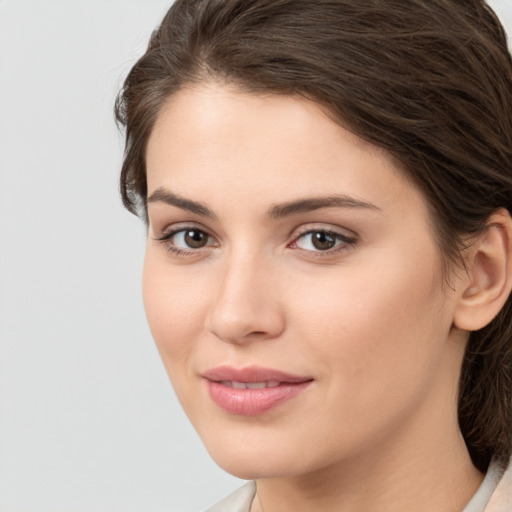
<point x="253" y="390"/>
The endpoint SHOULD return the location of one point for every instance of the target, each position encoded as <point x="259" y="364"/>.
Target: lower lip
<point x="251" y="402"/>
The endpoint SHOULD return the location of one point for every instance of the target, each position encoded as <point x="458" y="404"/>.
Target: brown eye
<point x="322" y="241"/>
<point x="194" y="238"/>
<point x="317" y="241"/>
<point x="185" y="239"/>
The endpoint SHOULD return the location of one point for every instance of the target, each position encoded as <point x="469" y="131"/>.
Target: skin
<point x="371" y="320"/>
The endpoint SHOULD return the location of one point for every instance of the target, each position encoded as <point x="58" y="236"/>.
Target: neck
<point x="386" y="486"/>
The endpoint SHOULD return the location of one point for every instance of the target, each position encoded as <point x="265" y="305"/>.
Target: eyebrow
<point x="167" y="197"/>
<point x="276" y="211"/>
<point x="316" y="203"/>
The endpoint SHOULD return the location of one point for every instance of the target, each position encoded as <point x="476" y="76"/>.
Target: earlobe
<point x="489" y="275"/>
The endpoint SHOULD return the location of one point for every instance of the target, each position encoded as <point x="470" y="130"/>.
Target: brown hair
<point x="430" y="81"/>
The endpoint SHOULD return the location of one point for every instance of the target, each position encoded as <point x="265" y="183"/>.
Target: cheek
<point x="378" y="330"/>
<point x="174" y="305"/>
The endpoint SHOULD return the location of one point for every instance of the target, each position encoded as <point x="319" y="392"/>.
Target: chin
<point x="252" y="467"/>
<point x="246" y="470"/>
<point x="253" y="458"/>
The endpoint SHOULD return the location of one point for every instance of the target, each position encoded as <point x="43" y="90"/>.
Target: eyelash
<point x="165" y="240"/>
<point x="345" y="242"/>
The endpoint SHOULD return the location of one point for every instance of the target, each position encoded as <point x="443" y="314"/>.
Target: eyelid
<point x="169" y="232"/>
<point x="348" y="241"/>
<point x="327" y="228"/>
<point x="171" y="229"/>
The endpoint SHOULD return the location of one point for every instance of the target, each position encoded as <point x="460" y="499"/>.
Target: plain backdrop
<point x="88" y="420"/>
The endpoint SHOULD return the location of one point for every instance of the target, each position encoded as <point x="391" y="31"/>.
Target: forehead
<point x="212" y="140"/>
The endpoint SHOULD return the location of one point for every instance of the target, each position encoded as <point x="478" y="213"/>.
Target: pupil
<point x="323" y="241"/>
<point x="195" y="239"/>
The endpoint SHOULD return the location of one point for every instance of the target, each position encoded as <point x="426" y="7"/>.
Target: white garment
<point x="239" y="501"/>
<point x="494" y="495"/>
<point x="483" y="495"/>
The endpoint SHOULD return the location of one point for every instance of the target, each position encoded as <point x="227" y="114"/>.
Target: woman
<point x="327" y="187"/>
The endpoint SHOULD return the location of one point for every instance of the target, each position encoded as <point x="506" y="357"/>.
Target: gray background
<point x="88" y="420"/>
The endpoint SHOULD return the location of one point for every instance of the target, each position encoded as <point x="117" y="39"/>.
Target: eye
<point x="186" y="240"/>
<point x="190" y="239"/>
<point x="322" y="240"/>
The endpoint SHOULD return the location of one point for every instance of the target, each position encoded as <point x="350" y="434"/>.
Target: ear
<point x="489" y="275"/>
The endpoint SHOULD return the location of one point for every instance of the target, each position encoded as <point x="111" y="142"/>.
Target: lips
<point x="254" y="390"/>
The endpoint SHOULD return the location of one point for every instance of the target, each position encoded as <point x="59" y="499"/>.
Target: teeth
<point x="250" y="385"/>
<point x="256" y="385"/>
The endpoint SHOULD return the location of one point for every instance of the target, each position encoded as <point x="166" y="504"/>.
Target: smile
<point x="252" y="391"/>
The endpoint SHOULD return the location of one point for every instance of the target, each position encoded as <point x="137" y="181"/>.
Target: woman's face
<point x="292" y="285"/>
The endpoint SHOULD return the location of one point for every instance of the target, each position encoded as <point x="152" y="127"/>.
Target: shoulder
<point x="239" y="501"/>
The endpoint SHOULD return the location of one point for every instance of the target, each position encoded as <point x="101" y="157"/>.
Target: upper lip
<point x="251" y="374"/>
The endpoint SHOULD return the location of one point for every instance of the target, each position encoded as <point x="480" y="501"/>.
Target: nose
<point x="246" y="304"/>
